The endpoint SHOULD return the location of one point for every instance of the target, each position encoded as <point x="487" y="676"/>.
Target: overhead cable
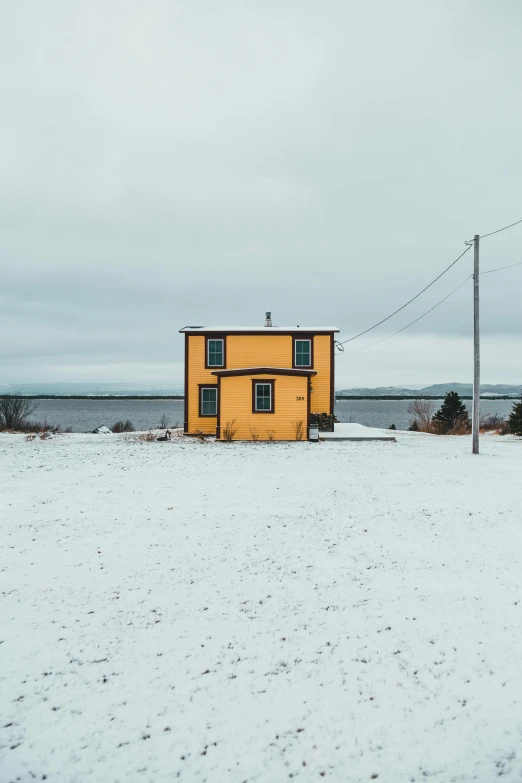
<point x="500" y="268"/>
<point x="407" y="303"/>
<point x="412" y="322"/>
<point x="487" y="272"/>
<point x="483" y="236"/>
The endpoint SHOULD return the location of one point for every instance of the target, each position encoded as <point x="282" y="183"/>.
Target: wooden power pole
<point x="476" y="347"/>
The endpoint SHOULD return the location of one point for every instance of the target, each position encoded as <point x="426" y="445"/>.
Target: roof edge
<point x="261" y="330"/>
<point x="265" y="371"/>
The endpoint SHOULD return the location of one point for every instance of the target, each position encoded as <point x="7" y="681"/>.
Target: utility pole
<point x="476" y="347"/>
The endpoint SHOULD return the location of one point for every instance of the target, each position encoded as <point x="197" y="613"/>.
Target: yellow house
<point x="257" y="383"/>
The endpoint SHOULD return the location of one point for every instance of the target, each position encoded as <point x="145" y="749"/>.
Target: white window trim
<point x="206" y="388"/>
<point x="271" y="406"/>
<point x="215" y="340"/>
<point x="303" y="340"/>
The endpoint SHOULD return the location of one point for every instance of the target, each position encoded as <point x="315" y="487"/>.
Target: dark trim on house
<point x="272" y="397"/>
<point x="200" y="406"/>
<point x="308" y="406"/>
<point x="218" y="422"/>
<point x="332" y="374"/>
<point x="186" y="394"/>
<point x="264" y="331"/>
<point x="303" y="337"/>
<point x="211" y="336"/>
<point x="265" y="371"/>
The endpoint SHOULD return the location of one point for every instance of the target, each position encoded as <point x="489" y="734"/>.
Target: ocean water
<point x="382" y="413"/>
<point x="87" y="414"/>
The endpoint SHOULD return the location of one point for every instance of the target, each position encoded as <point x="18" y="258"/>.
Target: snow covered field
<point x="260" y="612"/>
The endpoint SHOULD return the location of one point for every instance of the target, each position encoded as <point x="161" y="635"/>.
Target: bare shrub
<point x="146" y="437"/>
<point x="299" y="430"/>
<point x="200" y="435"/>
<point x="254" y="434"/>
<point x="229" y="430"/>
<point x="39" y="426"/>
<point x="164" y="422"/>
<point x="461" y="426"/>
<point x="324" y="421"/>
<point x="123" y="426"/>
<point x="492" y="422"/>
<point x="424" y="419"/>
<point x="270" y="434"/>
<point x="422" y="412"/>
<point x="14" y="411"/>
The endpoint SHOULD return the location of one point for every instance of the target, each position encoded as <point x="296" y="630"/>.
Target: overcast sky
<point x="202" y="161"/>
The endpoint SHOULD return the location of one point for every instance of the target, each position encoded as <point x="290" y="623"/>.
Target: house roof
<point x="258" y="329"/>
<point x="264" y="371"/>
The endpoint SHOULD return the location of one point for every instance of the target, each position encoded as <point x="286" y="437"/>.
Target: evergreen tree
<point x="515" y="419"/>
<point x="414" y="427"/>
<point x="452" y="413"/>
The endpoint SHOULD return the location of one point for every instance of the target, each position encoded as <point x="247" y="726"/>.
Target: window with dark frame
<point x="303" y="353"/>
<point x="215" y="353"/>
<point x="208" y="401"/>
<point x="263" y="398"/>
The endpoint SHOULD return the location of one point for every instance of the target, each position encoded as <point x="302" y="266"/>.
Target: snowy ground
<point x="260" y="612"/>
<point x="349" y="431"/>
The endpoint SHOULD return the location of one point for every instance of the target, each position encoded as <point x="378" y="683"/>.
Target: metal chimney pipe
<point x="268" y="321"/>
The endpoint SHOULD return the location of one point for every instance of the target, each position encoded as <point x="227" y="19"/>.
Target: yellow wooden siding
<point x="275" y="350"/>
<point x="320" y="400"/>
<point x="259" y="350"/>
<point x="236" y="404"/>
<point x="252" y="350"/>
<point x="198" y="374"/>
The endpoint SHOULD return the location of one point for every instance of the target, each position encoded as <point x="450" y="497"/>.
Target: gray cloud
<point x="171" y="163"/>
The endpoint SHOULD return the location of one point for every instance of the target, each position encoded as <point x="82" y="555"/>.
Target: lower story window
<point x="263" y="398"/>
<point x="208" y="401"/>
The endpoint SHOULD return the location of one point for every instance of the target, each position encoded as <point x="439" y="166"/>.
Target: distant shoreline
<point x="422" y="397"/>
<point x="98" y="397"/>
<point x="120" y="397"/>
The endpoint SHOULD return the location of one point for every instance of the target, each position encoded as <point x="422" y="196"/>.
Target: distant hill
<point x="379" y="391"/>
<point x="134" y="389"/>
<point x="139" y="389"/>
<point x="436" y="389"/>
<point x="467" y="388"/>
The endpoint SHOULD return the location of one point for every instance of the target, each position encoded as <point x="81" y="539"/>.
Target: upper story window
<point x="303" y="353"/>
<point x="215" y="352"/>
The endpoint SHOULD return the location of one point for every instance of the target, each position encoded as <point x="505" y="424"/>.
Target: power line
<point x="482" y="236"/>
<point x="487" y="272"/>
<point x="412" y="322"/>
<point x="469" y="244"/>
<point x="500" y="268"/>
<point x="407" y="303"/>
